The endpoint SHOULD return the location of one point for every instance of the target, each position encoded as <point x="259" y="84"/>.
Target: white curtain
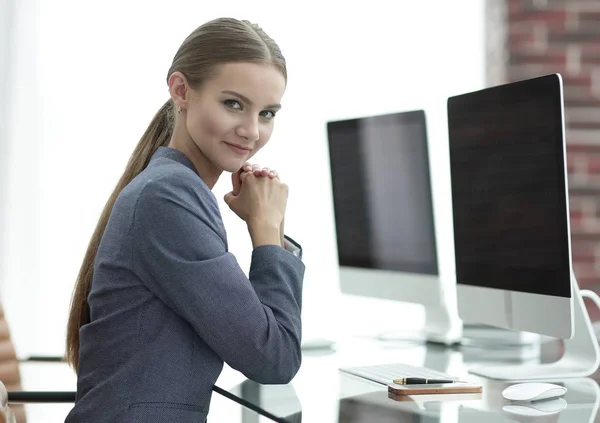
<point x="6" y="16"/>
<point x="20" y="275"/>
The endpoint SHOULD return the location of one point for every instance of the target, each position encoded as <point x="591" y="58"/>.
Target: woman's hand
<point x="259" y="198"/>
<point x="256" y="169"/>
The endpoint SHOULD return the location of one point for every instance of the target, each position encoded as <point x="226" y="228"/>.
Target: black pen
<point x="422" y="381"/>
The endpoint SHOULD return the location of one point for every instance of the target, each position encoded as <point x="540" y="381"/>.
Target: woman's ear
<point x="179" y="90"/>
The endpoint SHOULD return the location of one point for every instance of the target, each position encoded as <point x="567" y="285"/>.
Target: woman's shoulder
<point x="168" y="184"/>
<point x="173" y="174"/>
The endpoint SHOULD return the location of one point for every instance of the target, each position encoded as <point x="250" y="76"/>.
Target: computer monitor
<point x="384" y="219"/>
<point x="511" y="219"/>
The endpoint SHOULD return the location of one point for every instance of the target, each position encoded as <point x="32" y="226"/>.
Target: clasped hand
<point x="258" y="196"/>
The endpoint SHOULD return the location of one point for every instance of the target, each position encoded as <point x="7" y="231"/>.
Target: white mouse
<point x="533" y="391"/>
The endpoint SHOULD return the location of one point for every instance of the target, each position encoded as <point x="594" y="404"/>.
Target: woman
<point x="160" y="303"/>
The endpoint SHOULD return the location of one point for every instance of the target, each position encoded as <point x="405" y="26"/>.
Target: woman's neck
<point x="206" y="169"/>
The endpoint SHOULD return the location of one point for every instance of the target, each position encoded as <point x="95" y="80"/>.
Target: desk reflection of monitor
<point x="386" y="235"/>
<point x="511" y="221"/>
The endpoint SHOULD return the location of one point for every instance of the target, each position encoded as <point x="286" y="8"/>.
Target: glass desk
<point x="321" y="393"/>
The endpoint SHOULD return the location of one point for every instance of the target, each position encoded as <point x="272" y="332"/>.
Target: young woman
<point x="160" y="303"/>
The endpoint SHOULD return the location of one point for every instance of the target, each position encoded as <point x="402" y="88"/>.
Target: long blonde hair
<point x="216" y="42"/>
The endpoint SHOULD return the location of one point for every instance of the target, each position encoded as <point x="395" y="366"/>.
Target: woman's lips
<point x="238" y="149"/>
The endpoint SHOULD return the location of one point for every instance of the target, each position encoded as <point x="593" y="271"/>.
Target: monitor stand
<point x="489" y="337"/>
<point x="581" y="356"/>
<point x="493" y="344"/>
<point x="442" y="327"/>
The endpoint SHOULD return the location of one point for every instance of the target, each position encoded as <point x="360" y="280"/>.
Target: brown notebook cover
<point x="428" y="389"/>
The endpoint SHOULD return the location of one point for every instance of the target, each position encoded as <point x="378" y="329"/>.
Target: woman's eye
<point x="269" y="114"/>
<point x="233" y="104"/>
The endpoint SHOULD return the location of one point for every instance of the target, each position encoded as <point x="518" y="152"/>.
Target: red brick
<point x="583" y="251"/>
<point x="589" y="17"/>
<point x="521" y="37"/>
<point x="577" y="81"/>
<point x="576" y="204"/>
<point x="575" y="215"/>
<point x="522" y="6"/>
<point x="550" y="17"/>
<point x="574" y="148"/>
<point x="592" y="310"/>
<point x="590" y="35"/>
<point x="587" y="205"/>
<point x="585" y="270"/>
<point x="552" y="59"/>
<point x="593" y="164"/>
<point x="514" y="6"/>
<point x="591" y="56"/>
<point x="577" y="98"/>
<point x="526" y="71"/>
<point x="584" y="279"/>
<point x="575" y="157"/>
<point x="590" y="48"/>
<point x="570" y="166"/>
<point x="584" y="125"/>
<point x="583" y="136"/>
<point x="592" y="186"/>
<point x="576" y="219"/>
<point x="582" y="260"/>
<point x="585" y="234"/>
<point x="583" y="117"/>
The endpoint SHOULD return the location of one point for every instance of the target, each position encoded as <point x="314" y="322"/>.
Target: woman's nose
<point x="249" y="129"/>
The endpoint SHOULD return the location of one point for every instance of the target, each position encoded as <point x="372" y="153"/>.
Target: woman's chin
<point x="232" y="166"/>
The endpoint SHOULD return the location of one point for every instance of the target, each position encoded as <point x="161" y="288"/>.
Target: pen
<point x="422" y="381"/>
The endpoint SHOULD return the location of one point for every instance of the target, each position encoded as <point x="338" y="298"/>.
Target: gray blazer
<point x="169" y="304"/>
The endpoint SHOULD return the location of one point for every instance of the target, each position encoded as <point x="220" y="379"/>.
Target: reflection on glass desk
<point x="579" y="404"/>
<point x="320" y="392"/>
<point x="40" y="376"/>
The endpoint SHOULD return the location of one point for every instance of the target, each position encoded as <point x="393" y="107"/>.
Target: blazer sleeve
<point x="180" y="252"/>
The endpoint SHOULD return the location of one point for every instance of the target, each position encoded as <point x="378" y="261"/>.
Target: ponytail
<point x="157" y="135"/>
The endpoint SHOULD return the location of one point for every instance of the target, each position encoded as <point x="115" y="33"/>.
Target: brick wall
<point x="547" y="36"/>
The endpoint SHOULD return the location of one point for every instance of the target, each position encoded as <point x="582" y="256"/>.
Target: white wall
<point x="88" y="77"/>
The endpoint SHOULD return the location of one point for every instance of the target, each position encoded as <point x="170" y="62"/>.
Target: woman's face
<point x="231" y="116"/>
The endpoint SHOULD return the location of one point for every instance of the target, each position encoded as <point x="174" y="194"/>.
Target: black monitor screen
<point x="382" y="193"/>
<point x="508" y="187"/>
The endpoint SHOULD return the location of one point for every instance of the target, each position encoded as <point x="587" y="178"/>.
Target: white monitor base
<point x="491" y="337"/>
<point x="581" y="356"/>
<point x="441" y="327"/>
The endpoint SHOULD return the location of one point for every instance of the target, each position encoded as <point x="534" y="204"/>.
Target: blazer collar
<point x="172" y="154"/>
